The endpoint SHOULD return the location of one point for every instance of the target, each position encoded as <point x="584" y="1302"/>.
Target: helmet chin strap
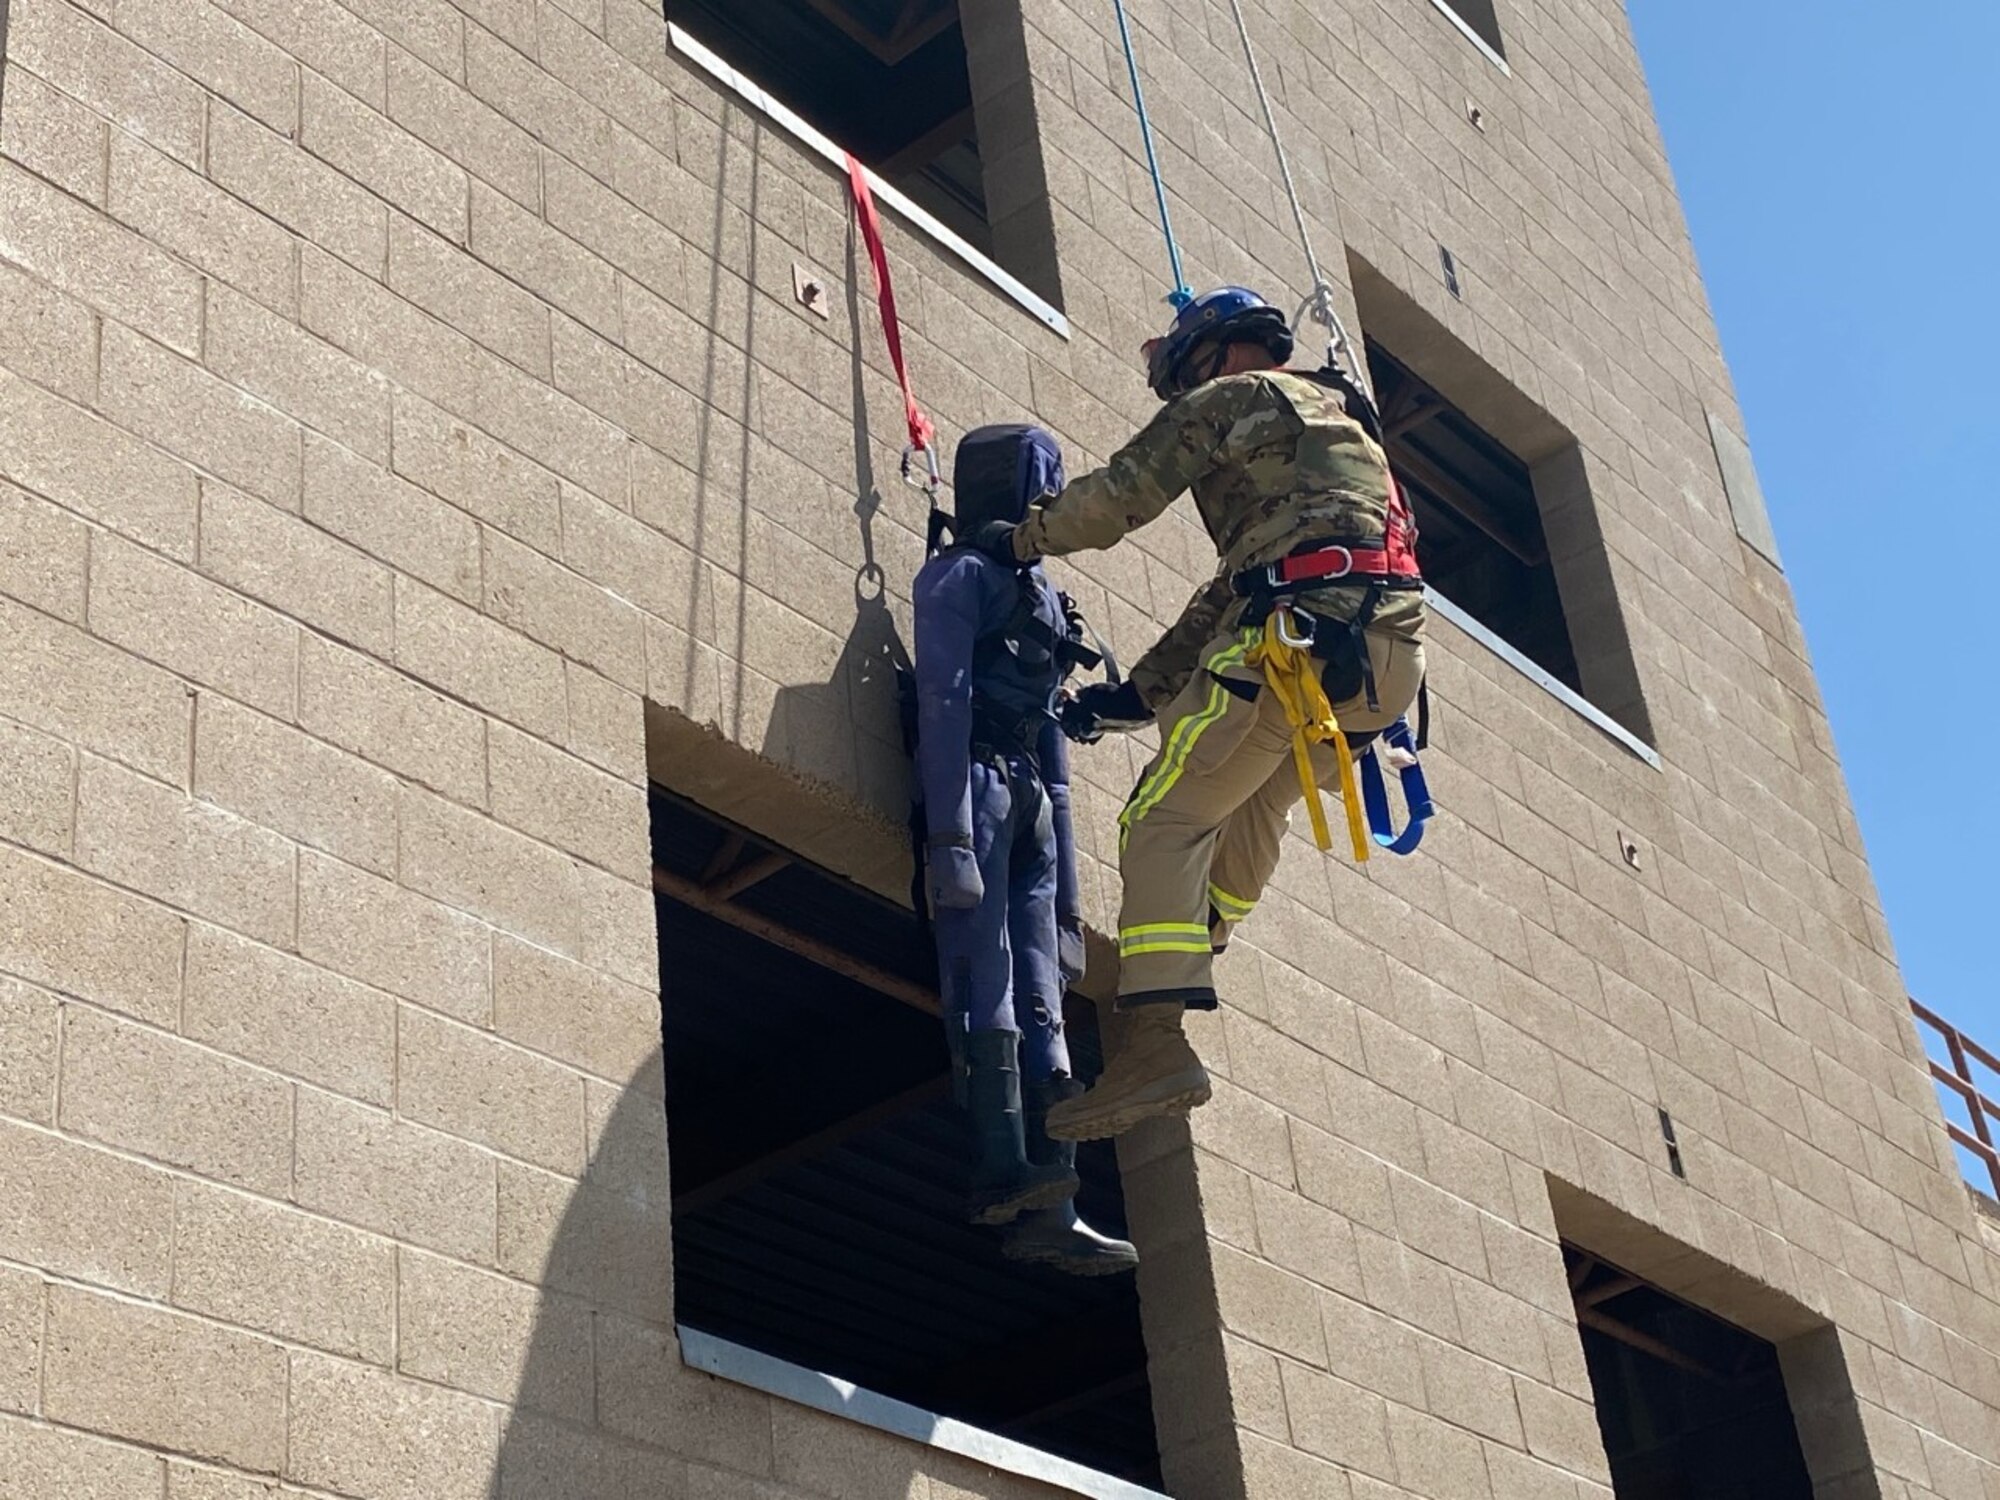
<point x="1215" y="363"/>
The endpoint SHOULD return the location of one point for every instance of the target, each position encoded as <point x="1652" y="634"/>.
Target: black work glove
<point x="1091" y="712"/>
<point x="996" y="540"/>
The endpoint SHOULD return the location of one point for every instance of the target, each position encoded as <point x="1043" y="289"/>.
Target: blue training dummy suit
<point x="993" y="646"/>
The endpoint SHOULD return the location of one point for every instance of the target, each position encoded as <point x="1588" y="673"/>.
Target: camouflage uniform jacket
<point x="1274" y="461"/>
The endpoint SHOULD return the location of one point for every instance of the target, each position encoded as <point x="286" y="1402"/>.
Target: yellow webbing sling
<point x="1291" y="672"/>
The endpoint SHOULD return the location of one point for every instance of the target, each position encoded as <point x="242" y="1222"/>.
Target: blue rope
<point x="1181" y="295"/>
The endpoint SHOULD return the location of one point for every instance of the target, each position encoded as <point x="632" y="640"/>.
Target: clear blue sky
<point x="1840" y="165"/>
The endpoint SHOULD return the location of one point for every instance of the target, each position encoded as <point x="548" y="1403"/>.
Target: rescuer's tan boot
<point x="1156" y="1072"/>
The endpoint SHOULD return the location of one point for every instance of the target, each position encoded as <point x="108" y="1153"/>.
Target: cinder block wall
<point x="397" y="397"/>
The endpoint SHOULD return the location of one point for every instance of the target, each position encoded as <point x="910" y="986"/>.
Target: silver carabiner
<point x="930" y="485"/>
<point x="1288" y="632"/>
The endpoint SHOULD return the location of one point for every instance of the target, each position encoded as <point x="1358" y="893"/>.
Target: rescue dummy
<point x="1313" y="538"/>
<point x="994" y="641"/>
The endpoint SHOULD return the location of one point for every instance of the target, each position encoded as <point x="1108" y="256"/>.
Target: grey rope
<point x="1319" y="303"/>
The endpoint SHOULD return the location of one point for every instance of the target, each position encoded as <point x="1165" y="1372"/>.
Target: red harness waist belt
<point x="1331" y="563"/>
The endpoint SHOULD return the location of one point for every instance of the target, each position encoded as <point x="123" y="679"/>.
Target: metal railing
<point x="1979" y="1107"/>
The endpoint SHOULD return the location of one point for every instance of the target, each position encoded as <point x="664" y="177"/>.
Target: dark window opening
<point x="887" y="79"/>
<point x="1687" y="1403"/>
<point x="819" y="1164"/>
<point x="1479" y="527"/>
<point x="1481" y="17"/>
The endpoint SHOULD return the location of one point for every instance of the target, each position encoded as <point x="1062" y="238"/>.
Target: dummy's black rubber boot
<point x="1005" y="1183"/>
<point x="1058" y="1236"/>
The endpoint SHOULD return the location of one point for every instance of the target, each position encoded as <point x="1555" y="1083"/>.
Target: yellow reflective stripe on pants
<point x="1155" y="929"/>
<point x="1181" y="741"/>
<point x="1222" y="822"/>
<point x="1174" y="754"/>
<point x="1163" y="937"/>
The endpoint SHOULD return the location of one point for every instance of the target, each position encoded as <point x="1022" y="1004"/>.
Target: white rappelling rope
<point x="1319" y="302"/>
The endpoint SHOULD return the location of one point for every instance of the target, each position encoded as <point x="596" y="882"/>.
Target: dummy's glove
<point x="996" y="540"/>
<point x="955" y="882"/>
<point x="1101" y="708"/>
<point x="1069" y="948"/>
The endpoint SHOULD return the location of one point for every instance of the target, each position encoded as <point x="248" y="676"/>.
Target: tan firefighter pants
<point x="1203" y="827"/>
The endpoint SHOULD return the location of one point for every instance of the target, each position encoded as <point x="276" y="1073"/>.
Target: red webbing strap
<point x="1337" y="562"/>
<point x="922" y="434"/>
<point x="1399" y="535"/>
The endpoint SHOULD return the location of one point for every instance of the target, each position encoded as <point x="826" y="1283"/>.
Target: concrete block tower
<point x="451" y="557"/>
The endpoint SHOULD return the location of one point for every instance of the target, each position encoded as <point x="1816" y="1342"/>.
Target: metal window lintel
<point x="823" y="146"/>
<point x="1473" y="36"/>
<point x="1554" y="686"/>
<point x="841" y="1398"/>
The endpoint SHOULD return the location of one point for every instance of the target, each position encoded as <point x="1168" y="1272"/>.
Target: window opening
<point x="1479" y="17"/>
<point x="888" y="79"/>
<point x="1687" y="1404"/>
<point x="820" y="1166"/>
<point x="1480" y="536"/>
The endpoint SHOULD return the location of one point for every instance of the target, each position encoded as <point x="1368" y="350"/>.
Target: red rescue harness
<point x="1392" y="565"/>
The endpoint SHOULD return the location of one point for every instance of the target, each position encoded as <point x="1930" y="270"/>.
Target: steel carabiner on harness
<point x="1416" y="792"/>
<point x="1286" y="626"/>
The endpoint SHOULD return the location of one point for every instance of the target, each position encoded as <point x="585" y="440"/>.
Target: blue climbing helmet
<point x="1228" y="315"/>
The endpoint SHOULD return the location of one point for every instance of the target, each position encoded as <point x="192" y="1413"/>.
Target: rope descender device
<point x="1319" y="307"/>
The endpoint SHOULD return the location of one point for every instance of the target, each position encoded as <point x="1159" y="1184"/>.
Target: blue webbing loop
<point x="1416" y="793"/>
<point x="1181" y="294"/>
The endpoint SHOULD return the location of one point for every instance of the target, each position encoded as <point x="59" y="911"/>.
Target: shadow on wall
<point x="847" y="730"/>
<point x="605" y="1409"/>
<point x="755" y="509"/>
<point x="602" y="1342"/>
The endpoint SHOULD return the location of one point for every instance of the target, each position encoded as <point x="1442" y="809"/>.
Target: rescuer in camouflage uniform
<point x="1279" y="469"/>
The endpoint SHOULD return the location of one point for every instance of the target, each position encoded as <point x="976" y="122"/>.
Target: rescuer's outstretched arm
<point x="1164" y="670"/>
<point x="1143" y="478"/>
